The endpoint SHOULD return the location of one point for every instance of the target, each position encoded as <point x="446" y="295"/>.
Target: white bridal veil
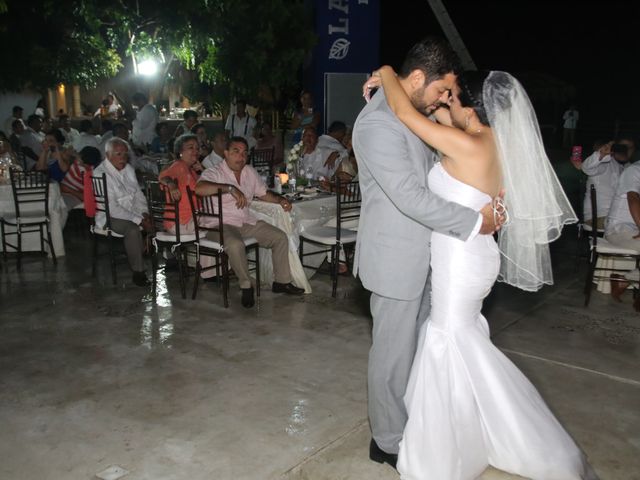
<point x="538" y="207"/>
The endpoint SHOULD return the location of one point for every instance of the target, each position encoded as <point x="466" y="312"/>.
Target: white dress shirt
<point x="32" y="139"/>
<point x="211" y="160"/>
<point x="314" y="162"/>
<point x="620" y="219"/>
<point x="144" y="125"/>
<point x="330" y="145"/>
<point x="7" y="125"/>
<point x="241" y="127"/>
<point x="604" y="174"/>
<point x="103" y="142"/>
<point x="570" y="118"/>
<point x="126" y="200"/>
<point x="70" y="136"/>
<point x="85" y="139"/>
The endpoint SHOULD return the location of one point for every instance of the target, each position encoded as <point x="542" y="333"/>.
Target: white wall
<point x="26" y="99"/>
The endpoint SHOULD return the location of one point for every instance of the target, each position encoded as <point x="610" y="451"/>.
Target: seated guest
<point x="31" y="139"/>
<point x="218" y="146"/>
<point x="86" y="138"/>
<point x="204" y="146"/>
<point x="347" y="170"/>
<point x="623" y="222"/>
<point x="127" y="205"/>
<point x="72" y="185"/>
<point x="318" y="163"/>
<point x="241" y="183"/>
<point x="16" y="114"/>
<point x="334" y="138"/>
<point x="160" y="144"/>
<point x="52" y="158"/>
<point x="70" y="134"/>
<point x="604" y="167"/>
<point x="182" y="173"/>
<point x="25" y="158"/>
<point x="189" y="119"/>
<point x="266" y="139"/>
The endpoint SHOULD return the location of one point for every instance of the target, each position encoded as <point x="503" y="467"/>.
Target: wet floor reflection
<point x="297" y="425"/>
<point x="157" y="328"/>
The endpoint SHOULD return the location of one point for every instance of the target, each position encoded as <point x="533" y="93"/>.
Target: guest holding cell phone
<point x="604" y="167"/>
<point x="51" y="157"/>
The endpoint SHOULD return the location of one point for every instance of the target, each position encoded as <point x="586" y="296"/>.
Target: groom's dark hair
<point x="434" y="56"/>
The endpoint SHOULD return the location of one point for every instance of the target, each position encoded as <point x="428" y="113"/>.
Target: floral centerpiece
<point x="294" y="156"/>
<point x="295" y="169"/>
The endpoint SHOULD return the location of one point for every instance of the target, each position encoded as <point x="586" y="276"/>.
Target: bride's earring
<point x="466" y="122"/>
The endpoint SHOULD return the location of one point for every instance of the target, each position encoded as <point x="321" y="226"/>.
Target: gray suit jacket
<point x="398" y="210"/>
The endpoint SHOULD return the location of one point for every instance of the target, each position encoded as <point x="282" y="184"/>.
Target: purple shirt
<point x="250" y="184"/>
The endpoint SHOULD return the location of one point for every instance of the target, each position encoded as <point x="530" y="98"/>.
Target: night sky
<point x="593" y="46"/>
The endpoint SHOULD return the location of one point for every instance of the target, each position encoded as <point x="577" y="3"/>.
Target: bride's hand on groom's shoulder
<point x="374" y="82"/>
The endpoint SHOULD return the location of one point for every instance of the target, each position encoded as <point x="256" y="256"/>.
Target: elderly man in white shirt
<point x="144" y="125"/>
<point x="604" y="167"/>
<point x="127" y="205"/>
<point x="318" y="162"/>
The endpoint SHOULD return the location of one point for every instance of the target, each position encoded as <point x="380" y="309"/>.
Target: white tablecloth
<point x="314" y="211"/>
<point x="57" y="212"/>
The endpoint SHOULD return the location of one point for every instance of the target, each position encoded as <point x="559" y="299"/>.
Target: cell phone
<point x="620" y="148"/>
<point x="52" y="149"/>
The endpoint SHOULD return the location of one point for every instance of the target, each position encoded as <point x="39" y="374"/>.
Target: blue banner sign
<point x="348" y="40"/>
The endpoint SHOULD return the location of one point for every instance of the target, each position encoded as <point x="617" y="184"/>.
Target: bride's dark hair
<point x="471" y="83"/>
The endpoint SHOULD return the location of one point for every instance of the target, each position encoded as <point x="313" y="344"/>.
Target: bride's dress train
<point x="469" y="406"/>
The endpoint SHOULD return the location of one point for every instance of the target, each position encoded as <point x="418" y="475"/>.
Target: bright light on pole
<point x="148" y="68"/>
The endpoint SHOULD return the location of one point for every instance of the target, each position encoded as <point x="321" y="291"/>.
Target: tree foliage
<point x="234" y="46"/>
<point x="41" y="45"/>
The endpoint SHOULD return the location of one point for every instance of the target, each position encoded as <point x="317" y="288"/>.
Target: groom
<point x="397" y="217"/>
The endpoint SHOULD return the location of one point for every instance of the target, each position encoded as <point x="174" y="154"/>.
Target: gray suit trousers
<point x="396" y="324"/>
<point x="133" y="244"/>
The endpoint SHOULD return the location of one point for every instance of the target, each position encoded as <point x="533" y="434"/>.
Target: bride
<point x="468" y="405"/>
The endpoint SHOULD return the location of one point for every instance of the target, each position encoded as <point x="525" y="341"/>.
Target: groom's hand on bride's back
<point x="494" y="215"/>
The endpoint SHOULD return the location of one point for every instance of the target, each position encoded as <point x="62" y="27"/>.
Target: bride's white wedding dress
<point x="468" y="405"/>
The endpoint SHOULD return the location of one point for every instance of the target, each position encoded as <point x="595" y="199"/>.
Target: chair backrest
<point x="100" y="193"/>
<point x="349" y="201"/>
<point x="163" y="163"/>
<point x="207" y="213"/>
<point x="31" y="191"/>
<point x="162" y="208"/>
<point x="262" y="161"/>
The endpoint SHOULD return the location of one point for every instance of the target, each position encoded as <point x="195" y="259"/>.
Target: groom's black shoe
<point x="378" y="455"/>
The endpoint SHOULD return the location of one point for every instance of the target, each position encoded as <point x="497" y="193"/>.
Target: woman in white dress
<point x="468" y="405"/>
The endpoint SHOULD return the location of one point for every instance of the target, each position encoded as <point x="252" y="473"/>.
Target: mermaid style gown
<point x="468" y="405"/>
